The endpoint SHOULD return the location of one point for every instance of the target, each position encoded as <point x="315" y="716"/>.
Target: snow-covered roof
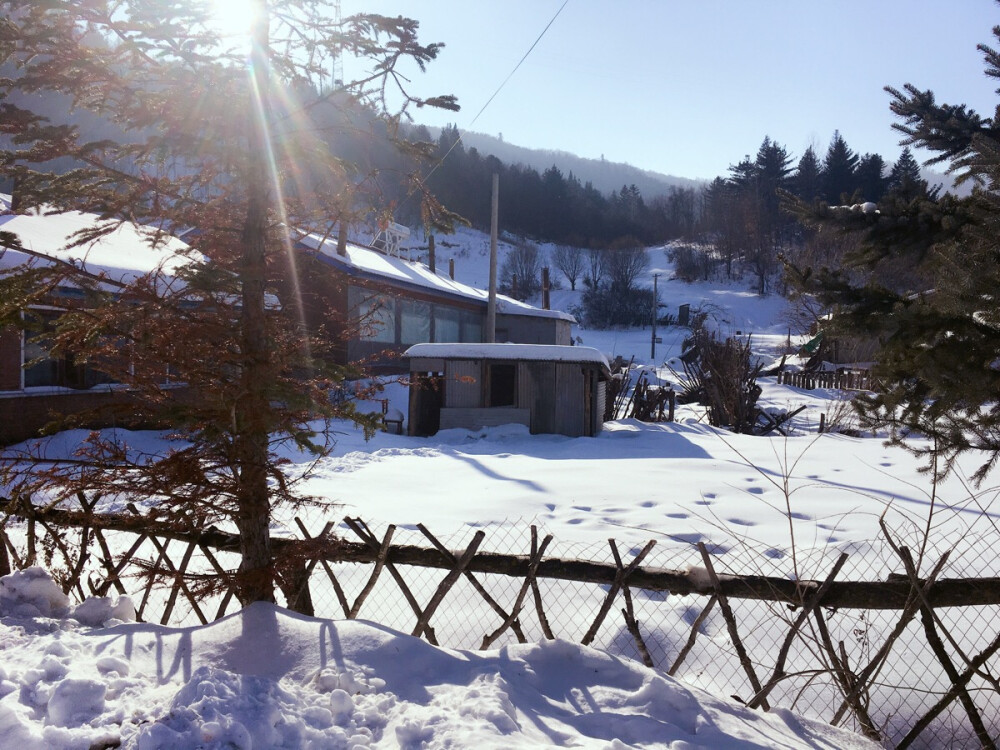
<point x="120" y="256"/>
<point x="370" y="263"/>
<point x="535" y="352"/>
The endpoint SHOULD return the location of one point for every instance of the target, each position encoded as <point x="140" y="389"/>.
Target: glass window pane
<point x="375" y="315"/>
<point x="447" y="326"/>
<point x="472" y="328"/>
<point x="414" y="322"/>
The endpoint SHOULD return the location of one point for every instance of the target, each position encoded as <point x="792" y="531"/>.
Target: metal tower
<point x="337" y="64"/>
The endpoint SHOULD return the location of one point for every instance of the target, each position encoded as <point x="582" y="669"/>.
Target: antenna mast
<point x="337" y="64"/>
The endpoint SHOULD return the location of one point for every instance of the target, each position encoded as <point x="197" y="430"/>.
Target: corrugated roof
<point x="531" y="352"/>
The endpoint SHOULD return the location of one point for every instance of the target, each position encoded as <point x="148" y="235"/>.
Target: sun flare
<point x="232" y="17"/>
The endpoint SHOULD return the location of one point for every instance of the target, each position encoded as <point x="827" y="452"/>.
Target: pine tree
<point x="838" y="176"/>
<point x="807" y="181"/>
<point x="228" y="145"/>
<point x="904" y="177"/>
<point x="870" y="177"/>
<point x="924" y="283"/>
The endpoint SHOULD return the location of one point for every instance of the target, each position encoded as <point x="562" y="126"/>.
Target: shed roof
<point x="528" y="352"/>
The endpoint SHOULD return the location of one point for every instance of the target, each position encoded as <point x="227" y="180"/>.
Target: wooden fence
<point x="766" y="639"/>
<point x="845" y="379"/>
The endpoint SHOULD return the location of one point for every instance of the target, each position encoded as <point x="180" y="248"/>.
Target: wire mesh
<point x="909" y="683"/>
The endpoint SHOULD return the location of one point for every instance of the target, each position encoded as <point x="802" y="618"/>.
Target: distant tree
<point x="724" y="221"/>
<point x="224" y="143"/>
<point x="520" y="271"/>
<point x="839" y="165"/>
<point x="596" y="266"/>
<point x="626" y="260"/>
<point x="570" y="261"/>
<point x="807" y="183"/>
<point x="870" y="177"/>
<point x="905" y="180"/>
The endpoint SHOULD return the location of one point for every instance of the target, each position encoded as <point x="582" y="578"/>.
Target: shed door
<point x="571" y="409"/>
<point x="537" y="393"/>
<point x="463" y="388"/>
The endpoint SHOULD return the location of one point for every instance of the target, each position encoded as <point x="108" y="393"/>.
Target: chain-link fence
<point x="907" y="668"/>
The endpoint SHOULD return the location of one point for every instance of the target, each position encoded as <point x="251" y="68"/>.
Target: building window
<point x="42" y="368"/>
<point x="472" y="327"/>
<point x="375" y="315"/>
<point x="414" y="322"/>
<point x="503" y="384"/>
<point x="447" y="325"/>
<point x="392" y="320"/>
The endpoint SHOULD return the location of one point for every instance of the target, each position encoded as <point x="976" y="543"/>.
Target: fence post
<point x="294" y="584"/>
<point x="4" y="559"/>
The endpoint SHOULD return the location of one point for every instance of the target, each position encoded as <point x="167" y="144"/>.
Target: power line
<point x="520" y="62"/>
<point x="500" y="87"/>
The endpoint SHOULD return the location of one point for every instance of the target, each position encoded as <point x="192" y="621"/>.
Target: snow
<point x="269" y="678"/>
<point x="79" y="676"/>
<point x="121" y="256"/>
<point x="414" y="273"/>
<point x="531" y="352"/>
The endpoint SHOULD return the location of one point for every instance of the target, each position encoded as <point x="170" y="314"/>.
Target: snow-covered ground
<point x="265" y="678"/>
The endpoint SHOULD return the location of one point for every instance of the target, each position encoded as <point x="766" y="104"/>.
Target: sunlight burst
<point x="232" y="17"/>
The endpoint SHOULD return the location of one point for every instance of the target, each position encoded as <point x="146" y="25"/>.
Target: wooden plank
<point x="474" y="419"/>
<point x="463" y="384"/>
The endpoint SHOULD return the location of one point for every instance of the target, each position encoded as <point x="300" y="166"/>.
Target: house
<point x="383" y="303"/>
<point x="36" y="388"/>
<point x="549" y="389"/>
<point x="402" y="303"/>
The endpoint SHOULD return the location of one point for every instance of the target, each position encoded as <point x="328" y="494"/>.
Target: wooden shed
<point x="548" y="388"/>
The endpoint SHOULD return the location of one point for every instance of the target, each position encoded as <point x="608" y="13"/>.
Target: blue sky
<point x="688" y="88"/>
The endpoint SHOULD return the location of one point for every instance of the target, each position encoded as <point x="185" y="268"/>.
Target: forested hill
<point x="604" y="175"/>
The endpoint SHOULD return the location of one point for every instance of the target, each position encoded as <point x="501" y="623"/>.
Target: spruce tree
<point x="223" y="142"/>
<point x="924" y="283"/>
<point x="806" y="183"/>
<point x="839" y="164"/>
<point x="870" y="177"/>
<point x="905" y="178"/>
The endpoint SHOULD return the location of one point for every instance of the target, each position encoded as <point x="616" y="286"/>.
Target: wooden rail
<point x="881" y="595"/>
<point x="845" y="379"/>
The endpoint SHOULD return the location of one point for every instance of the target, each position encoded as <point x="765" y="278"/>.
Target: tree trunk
<point x="253" y="514"/>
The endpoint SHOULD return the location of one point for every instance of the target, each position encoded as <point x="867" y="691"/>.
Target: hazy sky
<point x="688" y="87"/>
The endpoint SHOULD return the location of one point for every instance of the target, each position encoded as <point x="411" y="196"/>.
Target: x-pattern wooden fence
<point x="966" y="698"/>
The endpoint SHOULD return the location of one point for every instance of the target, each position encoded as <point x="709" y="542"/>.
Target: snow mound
<point x="32" y="593"/>
<point x="269" y="678"/>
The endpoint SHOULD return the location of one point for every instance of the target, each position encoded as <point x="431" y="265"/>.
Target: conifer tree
<point x="838" y="175"/>
<point x="904" y="177"/>
<point x="222" y="141"/>
<point x="925" y="281"/>
<point x="870" y="177"/>
<point x="806" y="183"/>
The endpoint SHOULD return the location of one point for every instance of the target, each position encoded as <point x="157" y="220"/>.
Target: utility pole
<point x="491" y="305"/>
<point x="652" y="341"/>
